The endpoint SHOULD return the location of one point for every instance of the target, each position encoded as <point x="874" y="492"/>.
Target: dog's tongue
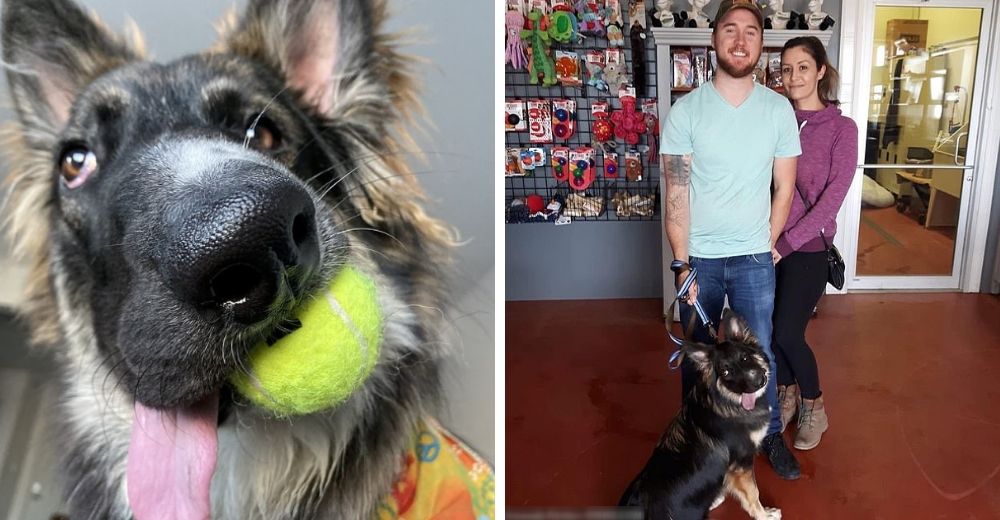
<point x="171" y="458"/>
<point x="748" y="401"/>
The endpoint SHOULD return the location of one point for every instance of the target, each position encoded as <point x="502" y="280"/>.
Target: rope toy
<point x="516" y="55"/>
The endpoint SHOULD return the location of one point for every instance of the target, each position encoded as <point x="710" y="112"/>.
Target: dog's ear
<point x="698" y="353"/>
<point x="734" y="328"/>
<point x="51" y="51"/>
<point x="326" y="49"/>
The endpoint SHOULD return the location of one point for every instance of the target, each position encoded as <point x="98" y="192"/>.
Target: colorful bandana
<point x="441" y="478"/>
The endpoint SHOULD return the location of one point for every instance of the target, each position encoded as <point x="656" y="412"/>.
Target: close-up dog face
<point x="193" y="204"/>
<point x="736" y="365"/>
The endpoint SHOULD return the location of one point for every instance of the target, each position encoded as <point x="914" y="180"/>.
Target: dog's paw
<point x="771" y="513"/>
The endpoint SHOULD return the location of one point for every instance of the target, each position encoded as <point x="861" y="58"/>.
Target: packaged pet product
<point x="513" y="118"/>
<point x="760" y="71"/>
<point x="602" y="130"/>
<point x="633" y="165"/>
<point x="581" y="168"/>
<point x="683" y="74"/>
<point x="614" y="70"/>
<point x="699" y="56"/>
<point x="563" y="118"/>
<point x="594" y="60"/>
<point x="610" y="165"/>
<point x="774" y="72"/>
<point x="512" y="166"/>
<point x="560" y="163"/>
<point x="540" y="121"/>
<point x="568" y="68"/>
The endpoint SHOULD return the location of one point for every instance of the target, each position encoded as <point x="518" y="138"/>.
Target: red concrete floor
<point x="911" y="381"/>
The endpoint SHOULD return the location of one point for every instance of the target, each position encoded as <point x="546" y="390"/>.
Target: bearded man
<point x="724" y="144"/>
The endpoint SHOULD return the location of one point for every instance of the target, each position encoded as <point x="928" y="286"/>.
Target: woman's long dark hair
<point x="827" y="88"/>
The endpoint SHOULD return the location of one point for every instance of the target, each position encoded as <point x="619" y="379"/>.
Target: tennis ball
<point x="321" y="363"/>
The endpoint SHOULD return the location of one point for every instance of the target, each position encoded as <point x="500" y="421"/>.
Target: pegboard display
<point x="629" y="191"/>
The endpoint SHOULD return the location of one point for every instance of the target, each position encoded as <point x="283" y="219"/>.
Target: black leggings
<point x="801" y="279"/>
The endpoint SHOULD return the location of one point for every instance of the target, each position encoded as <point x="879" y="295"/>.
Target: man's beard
<point x="731" y="69"/>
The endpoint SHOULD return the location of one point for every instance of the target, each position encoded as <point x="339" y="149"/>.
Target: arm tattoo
<point x="677" y="169"/>
<point x="677" y="172"/>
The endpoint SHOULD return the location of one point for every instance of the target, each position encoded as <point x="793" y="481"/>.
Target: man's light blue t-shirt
<point x="733" y="151"/>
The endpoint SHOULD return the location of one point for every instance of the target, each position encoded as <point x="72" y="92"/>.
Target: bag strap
<point x="809" y="207"/>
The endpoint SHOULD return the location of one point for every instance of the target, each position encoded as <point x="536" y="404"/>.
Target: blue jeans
<point x="748" y="281"/>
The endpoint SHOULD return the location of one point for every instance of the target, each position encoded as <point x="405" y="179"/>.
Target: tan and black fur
<point x="107" y="295"/>
<point x="707" y="451"/>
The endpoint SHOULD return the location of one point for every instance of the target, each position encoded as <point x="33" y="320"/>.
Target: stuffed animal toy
<point x="615" y="77"/>
<point x="541" y="63"/>
<point x="595" y="75"/>
<point x="589" y="20"/>
<point x="516" y="55"/>
<point x="615" y="36"/>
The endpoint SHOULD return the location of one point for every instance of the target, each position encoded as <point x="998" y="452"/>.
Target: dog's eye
<point x="263" y="134"/>
<point x="76" y="164"/>
<point x="725" y="372"/>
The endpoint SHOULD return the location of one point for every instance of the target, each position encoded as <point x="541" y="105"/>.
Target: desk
<point x="945" y="198"/>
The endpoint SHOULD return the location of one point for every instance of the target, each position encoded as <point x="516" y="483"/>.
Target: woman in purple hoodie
<point x="825" y="169"/>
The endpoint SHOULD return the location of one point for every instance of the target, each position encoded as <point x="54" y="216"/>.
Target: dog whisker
<point x="253" y="126"/>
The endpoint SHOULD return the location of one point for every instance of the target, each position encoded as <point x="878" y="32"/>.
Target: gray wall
<point x="538" y="257"/>
<point x="584" y="260"/>
<point x="459" y="97"/>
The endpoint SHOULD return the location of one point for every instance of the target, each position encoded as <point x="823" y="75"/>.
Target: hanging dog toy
<point x="541" y="63"/>
<point x="516" y="55"/>
<point x="629" y="123"/>
<point x="563" y="26"/>
<point x="638" y="38"/>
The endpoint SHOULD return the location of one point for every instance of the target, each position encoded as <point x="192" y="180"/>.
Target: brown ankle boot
<point x="788" y="399"/>
<point x="812" y="423"/>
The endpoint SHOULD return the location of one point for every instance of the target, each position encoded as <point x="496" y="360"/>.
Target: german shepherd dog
<point x="708" y="449"/>
<point x="175" y="214"/>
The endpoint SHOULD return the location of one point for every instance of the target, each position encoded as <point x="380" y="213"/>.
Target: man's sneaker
<point x="781" y="459"/>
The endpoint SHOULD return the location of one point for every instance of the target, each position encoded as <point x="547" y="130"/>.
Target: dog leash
<point x="682" y="294"/>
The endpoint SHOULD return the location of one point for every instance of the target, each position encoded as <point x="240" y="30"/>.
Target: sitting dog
<point x="708" y="449"/>
<point x="176" y="215"/>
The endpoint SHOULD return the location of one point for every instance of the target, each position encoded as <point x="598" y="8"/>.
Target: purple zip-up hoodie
<point x="825" y="169"/>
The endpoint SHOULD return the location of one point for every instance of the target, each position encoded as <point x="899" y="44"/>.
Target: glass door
<point x="927" y="80"/>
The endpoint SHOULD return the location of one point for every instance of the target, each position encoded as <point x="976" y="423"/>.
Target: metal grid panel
<point x="613" y="191"/>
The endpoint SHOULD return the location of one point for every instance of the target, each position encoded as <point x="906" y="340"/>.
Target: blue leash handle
<point x="702" y="315"/>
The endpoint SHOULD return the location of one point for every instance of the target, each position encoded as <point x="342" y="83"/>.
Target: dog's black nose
<point x="233" y="244"/>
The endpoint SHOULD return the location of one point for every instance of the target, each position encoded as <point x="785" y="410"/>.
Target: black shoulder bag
<point x="834" y="262"/>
